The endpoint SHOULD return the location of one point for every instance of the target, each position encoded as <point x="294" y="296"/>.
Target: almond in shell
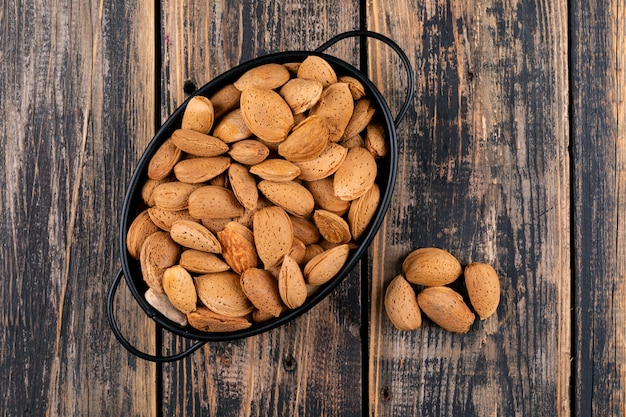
<point x="200" y="262"/>
<point x="446" y="308"/>
<point x="291" y="196"/>
<point x="198" y="115"/>
<point x="305" y="230"/>
<point x="361" y="117"/>
<point x="162" y="162"/>
<point x="375" y="141"/>
<point x="356" y="175"/>
<point x="332" y="227"/>
<point x="307" y="140"/>
<point x="214" y="202"/>
<point x="139" y="230"/>
<point x="261" y="288"/>
<point x="162" y="304"/>
<point x="206" y="320"/>
<point x="273" y="235"/>
<point x="165" y="218"/>
<point x="198" y="144"/>
<point x="291" y="285"/>
<point x="276" y="169"/>
<point x="336" y="107"/>
<point x="225" y="100"/>
<point x="158" y="253"/>
<point x="326" y="265"/>
<point x="243" y="185"/>
<point x="265" y="112"/>
<point x="221" y="292"/>
<point x="269" y="76"/>
<point x="301" y="94"/>
<point x="148" y="188"/>
<point x="483" y="288"/>
<point x="232" y="128"/>
<point x="317" y="68"/>
<point x="324" y="165"/>
<point x="193" y="235"/>
<point x="362" y="211"/>
<point x="173" y="195"/>
<point x="179" y="288"/>
<point x="238" y="248"/>
<point x="323" y="193"/>
<point x="200" y="169"/>
<point x="401" y="305"/>
<point x="356" y="87"/>
<point x="249" y="151"/>
<point x="431" y="267"/>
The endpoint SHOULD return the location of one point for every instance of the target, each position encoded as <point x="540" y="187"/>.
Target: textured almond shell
<point x="214" y="202"/>
<point x="446" y="308"/>
<point x="361" y="117"/>
<point x="225" y="99"/>
<point x="265" y="112"/>
<point x="162" y="304"/>
<point x="291" y="285"/>
<point x="301" y="94"/>
<point x="375" y="141"/>
<point x="305" y="230"/>
<point x="270" y="76"/>
<point x="232" y="128"/>
<point x="165" y="218"/>
<point x="158" y="253"/>
<point x="324" y="165"/>
<point x="198" y="144"/>
<point x="206" y="320"/>
<point x="401" y="305"/>
<point x="179" y="288"/>
<point x="276" y="169"/>
<point x="173" y="195"/>
<point x="163" y="160"/>
<point x="323" y="193"/>
<point x="200" y="262"/>
<point x="326" y="265"/>
<point x="356" y="87"/>
<point x="249" y="151"/>
<point x="362" y="211"/>
<point x="332" y="227"/>
<point x="335" y="106"/>
<point x="201" y="169"/>
<point x="139" y="230"/>
<point x="221" y="292"/>
<point x="356" y="175"/>
<point x="431" y="267"/>
<point x="307" y="140"/>
<point x="199" y="115"/>
<point x="261" y="289"/>
<point x="291" y="196"/>
<point x="238" y="248"/>
<point x="317" y="68"/>
<point x="193" y="235"/>
<point x="273" y="235"/>
<point x="243" y="186"/>
<point x="483" y="288"/>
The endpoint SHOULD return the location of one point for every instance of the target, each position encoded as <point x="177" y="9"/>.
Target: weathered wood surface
<point x="511" y="153"/>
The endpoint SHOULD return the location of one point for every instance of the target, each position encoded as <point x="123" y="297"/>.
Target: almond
<point x="301" y="94"/>
<point x="198" y="144"/>
<point x="163" y="160"/>
<point x="173" y="195"/>
<point x="324" y="165"/>
<point x="198" y="115"/>
<point x="269" y="76"/>
<point x="221" y="292"/>
<point x="483" y="288"/>
<point x="362" y="211"/>
<point x="200" y="262"/>
<point x="326" y="265"/>
<point x="165" y="218"/>
<point x="225" y="100"/>
<point x="262" y="290"/>
<point x="244" y="186"/>
<point x="194" y="236"/>
<point x="317" y="68"/>
<point x="361" y="117"/>
<point x="238" y="248"/>
<point x="200" y="169"/>
<point x="356" y="174"/>
<point x="158" y="253"/>
<point x="179" y="288"/>
<point x="431" y="267"/>
<point x="291" y="196"/>
<point x="232" y="128"/>
<point x="332" y="227"/>
<point x="446" y="308"/>
<point x="306" y="141"/>
<point x="276" y="169"/>
<point x="214" y="202"/>
<point x="141" y="227"/>
<point x="265" y="112"/>
<point x="162" y="304"/>
<point x="401" y="305"/>
<point x="206" y="320"/>
<point x="323" y="192"/>
<point x="249" y="152"/>
<point x="291" y="285"/>
<point x="335" y="106"/>
<point x="273" y="235"/>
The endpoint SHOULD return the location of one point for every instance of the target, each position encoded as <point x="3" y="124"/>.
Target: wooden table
<point x="512" y="153"/>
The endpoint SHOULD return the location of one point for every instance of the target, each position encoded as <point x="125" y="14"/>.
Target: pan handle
<point x="397" y="50"/>
<point x="126" y="343"/>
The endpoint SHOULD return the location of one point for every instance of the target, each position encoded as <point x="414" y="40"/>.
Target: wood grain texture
<point x="598" y="56"/>
<point x="313" y="365"/>
<point x="484" y="174"/>
<point x="73" y="92"/>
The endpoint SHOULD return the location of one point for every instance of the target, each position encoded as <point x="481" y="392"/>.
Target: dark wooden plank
<point x="313" y="365"/>
<point x="77" y="84"/>
<point x="484" y="174"/>
<point x="598" y="57"/>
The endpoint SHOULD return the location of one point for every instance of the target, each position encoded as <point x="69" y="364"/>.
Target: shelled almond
<point x="259" y="196"/>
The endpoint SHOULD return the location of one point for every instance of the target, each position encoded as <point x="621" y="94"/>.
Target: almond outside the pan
<point x="221" y="292"/>
<point x="483" y="288"/>
<point x="206" y="320"/>
<point x="194" y="236"/>
<point x="446" y="308"/>
<point x="326" y="265"/>
<point x="265" y="112"/>
<point x="198" y="115"/>
<point x="356" y="175"/>
<point x="179" y="288"/>
<point x="431" y="267"/>
<point x="401" y="305"/>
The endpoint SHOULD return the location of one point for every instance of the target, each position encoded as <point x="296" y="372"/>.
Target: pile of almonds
<point x="434" y="269"/>
<point x="259" y="196"/>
